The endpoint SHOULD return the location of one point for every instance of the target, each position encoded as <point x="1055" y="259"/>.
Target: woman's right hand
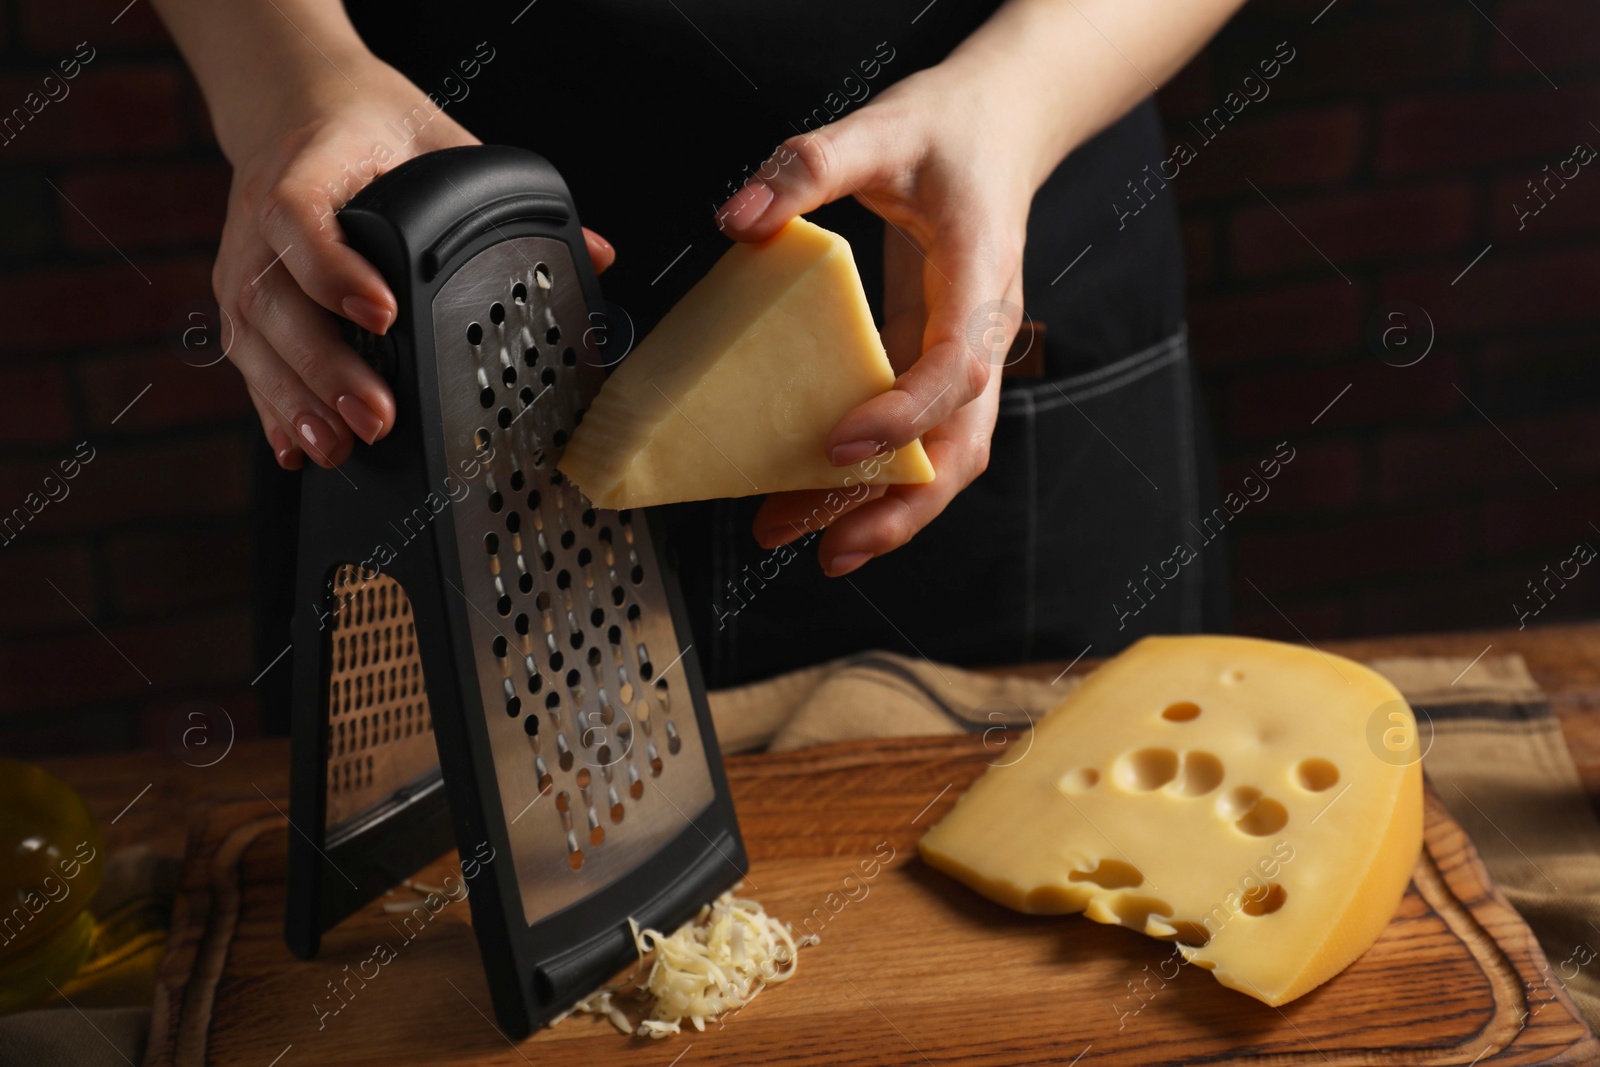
<point x="284" y="265"/>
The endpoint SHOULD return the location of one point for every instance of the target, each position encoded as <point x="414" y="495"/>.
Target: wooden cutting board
<point x="912" y="968"/>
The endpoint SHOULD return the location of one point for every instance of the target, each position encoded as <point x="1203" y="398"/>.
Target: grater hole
<point x="530" y="356"/>
<point x="583" y="778"/>
<point x="496" y="501"/>
<point x="585" y="557"/>
<point x="604" y="755"/>
<point x="503" y="606"/>
<point x="636" y="789"/>
<point x="538" y="459"/>
<point x="563" y="579"/>
<point x="519" y="293"/>
<point x="552" y="336"/>
<point x="552" y="701"/>
<point x="625" y="517"/>
<point x="513" y="521"/>
<point x="568" y="539"/>
<point x="573" y="678"/>
<point x="596" y="617"/>
<point x="536" y="683"/>
<point x="522" y="619"/>
<point x="569" y="357"/>
<point x="576" y="640"/>
<point x="509" y="376"/>
<point x="548" y="560"/>
<point x="517" y="481"/>
<point x="542" y="601"/>
<point x="559" y="438"/>
<point x="491" y="542"/>
<point x="594" y="655"/>
<point x="533" y="499"/>
<point x="525" y="583"/>
<point x="480" y="440"/>
<point x="486" y="398"/>
<point x="616" y="812"/>
<point x="563" y="802"/>
<point x="589" y="516"/>
<point x="566" y="761"/>
<point x="474" y="334"/>
<point x="617" y="595"/>
<point x="548" y="376"/>
<point x="531" y="725"/>
<point x="497" y="313"/>
<point x="556" y="660"/>
<point x="605" y="534"/>
<point x="541" y="276"/>
<point x="597" y="836"/>
<point x="614" y="635"/>
<point x="575" y="859"/>
<point x="500" y="647"/>
<point x="526" y="396"/>
<point x="646" y="670"/>
<point x="514" y="706"/>
<point x="636" y="575"/>
<point x="504" y="418"/>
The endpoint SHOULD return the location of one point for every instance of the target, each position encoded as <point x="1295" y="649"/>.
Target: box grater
<point x="481" y="659"/>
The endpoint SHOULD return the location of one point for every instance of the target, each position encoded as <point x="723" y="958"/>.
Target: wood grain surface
<point x="912" y="967"/>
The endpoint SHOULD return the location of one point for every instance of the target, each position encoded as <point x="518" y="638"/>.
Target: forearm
<point x="255" y="60"/>
<point x="1062" y="70"/>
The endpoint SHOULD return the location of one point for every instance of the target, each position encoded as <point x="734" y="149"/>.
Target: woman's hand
<point x="930" y="157"/>
<point x="284" y="265"/>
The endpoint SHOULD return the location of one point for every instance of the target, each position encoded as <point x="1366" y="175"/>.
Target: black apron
<point x="656" y="110"/>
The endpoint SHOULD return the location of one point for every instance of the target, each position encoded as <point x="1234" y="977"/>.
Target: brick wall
<point x="1396" y="140"/>
<point x="1395" y="144"/>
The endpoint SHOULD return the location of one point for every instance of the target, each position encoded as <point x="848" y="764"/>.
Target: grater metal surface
<point x="502" y="670"/>
<point x="572" y="640"/>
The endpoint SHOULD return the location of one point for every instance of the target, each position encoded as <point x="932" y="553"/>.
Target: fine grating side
<point x="597" y="754"/>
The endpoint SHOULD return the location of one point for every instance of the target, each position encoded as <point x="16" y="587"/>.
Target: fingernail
<point x="842" y="565"/>
<point x="852" y="452"/>
<point x="367" y="314"/>
<point x="746" y="206"/>
<point x="602" y="242"/>
<point x="282" y="449"/>
<point x="360" y="418"/>
<point x="318" y="436"/>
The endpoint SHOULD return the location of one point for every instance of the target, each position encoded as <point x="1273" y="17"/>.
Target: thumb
<point x="809" y="170"/>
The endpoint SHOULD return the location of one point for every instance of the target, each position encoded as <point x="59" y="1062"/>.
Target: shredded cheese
<point x="714" y="964"/>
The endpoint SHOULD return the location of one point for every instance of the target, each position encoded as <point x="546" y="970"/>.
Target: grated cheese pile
<point x="713" y="964"/>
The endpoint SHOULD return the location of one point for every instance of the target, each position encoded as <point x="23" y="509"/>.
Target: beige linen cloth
<point x="1497" y="759"/>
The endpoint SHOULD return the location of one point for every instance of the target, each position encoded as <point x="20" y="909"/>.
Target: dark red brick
<point x="34" y="404"/>
<point x="1284" y="404"/>
<point x="29" y="207"/>
<point x="1354" y="228"/>
<point x="1320" y="478"/>
<point x="108" y="111"/>
<point x="1291" y="620"/>
<point x="104" y="303"/>
<point x="199" y="477"/>
<point x="1557" y="35"/>
<point x="1460" y="129"/>
<point x="131" y="660"/>
<point x="155" y="572"/>
<point x="56" y="27"/>
<point x="1564" y="211"/>
<point x="1526" y="374"/>
<point x="1509" y="455"/>
<point x="1480" y="599"/>
<point x="170" y="722"/>
<point x="1542" y="520"/>
<point x="1332" y="556"/>
<point x="1395" y="50"/>
<point x="1504" y="288"/>
<point x="180" y="394"/>
<point x="66" y="732"/>
<point x="31" y="605"/>
<point x="152" y="205"/>
<point x="1281" y="151"/>
<point x="1314" y="318"/>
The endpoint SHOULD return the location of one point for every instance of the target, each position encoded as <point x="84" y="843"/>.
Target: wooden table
<point x="150" y="797"/>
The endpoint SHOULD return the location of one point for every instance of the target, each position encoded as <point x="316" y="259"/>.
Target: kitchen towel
<point x="1493" y="753"/>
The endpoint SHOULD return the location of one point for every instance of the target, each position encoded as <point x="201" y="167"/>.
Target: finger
<point x="785" y="517"/>
<point x="959" y="453"/>
<point x="600" y="251"/>
<point x="311" y="425"/>
<point x="298" y="221"/>
<point x="307" y="339"/>
<point x="951" y="372"/>
<point x="289" y="457"/>
<point x="812" y="169"/>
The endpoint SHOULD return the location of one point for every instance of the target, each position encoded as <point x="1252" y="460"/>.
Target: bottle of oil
<point x="51" y="859"/>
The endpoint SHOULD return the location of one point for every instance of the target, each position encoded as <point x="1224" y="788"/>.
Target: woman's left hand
<point x="929" y="157"/>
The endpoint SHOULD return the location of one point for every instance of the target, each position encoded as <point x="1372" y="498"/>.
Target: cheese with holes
<point x="1259" y="804"/>
<point x="736" y="389"/>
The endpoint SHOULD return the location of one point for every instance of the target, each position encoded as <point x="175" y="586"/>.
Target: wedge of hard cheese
<point x="1258" y="803"/>
<point x="734" y="392"/>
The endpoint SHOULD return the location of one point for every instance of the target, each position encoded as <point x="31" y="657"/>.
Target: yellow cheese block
<point x="736" y="389"/>
<point x="1258" y="803"/>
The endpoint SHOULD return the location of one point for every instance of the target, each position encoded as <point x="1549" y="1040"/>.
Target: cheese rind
<point x="735" y="390"/>
<point x="1258" y="803"/>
